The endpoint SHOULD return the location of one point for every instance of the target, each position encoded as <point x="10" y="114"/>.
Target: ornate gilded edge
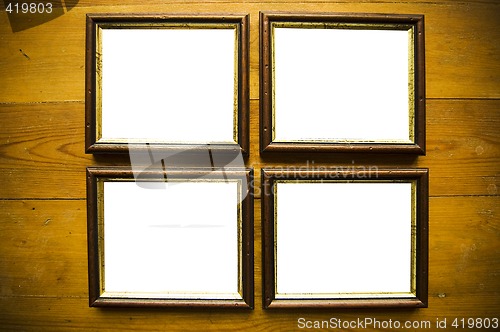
<point x="94" y="143"/>
<point x="414" y="24"/>
<point x="97" y="176"/>
<point x="417" y="297"/>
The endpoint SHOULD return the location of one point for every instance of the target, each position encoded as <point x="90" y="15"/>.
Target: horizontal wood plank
<point x="90" y="3"/>
<point x="42" y="150"/>
<point x="462" y="45"/>
<point x="43" y="248"/>
<point x="71" y="314"/>
<point x="43" y="267"/>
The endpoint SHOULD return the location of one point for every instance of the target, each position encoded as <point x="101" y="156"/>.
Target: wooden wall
<point x="43" y="253"/>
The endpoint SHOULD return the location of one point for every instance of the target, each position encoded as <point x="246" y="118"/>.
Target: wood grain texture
<point x="42" y="150"/>
<point x="43" y="248"/>
<point x="462" y="45"/>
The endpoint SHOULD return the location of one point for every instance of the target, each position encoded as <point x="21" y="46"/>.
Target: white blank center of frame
<point x="341" y="85"/>
<point x="168" y="85"/>
<point x="345" y="239"/>
<point x="181" y="239"/>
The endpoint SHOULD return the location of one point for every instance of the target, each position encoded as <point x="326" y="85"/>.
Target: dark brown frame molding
<point x="96" y="176"/>
<point x="419" y="180"/>
<point x="344" y="20"/>
<point x="92" y="102"/>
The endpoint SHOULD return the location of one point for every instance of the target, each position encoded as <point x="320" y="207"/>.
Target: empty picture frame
<point x="345" y="237"/>
<point x="166" y="82"/>
<point x="342" y="82"/>
<point x="179" y="239"/>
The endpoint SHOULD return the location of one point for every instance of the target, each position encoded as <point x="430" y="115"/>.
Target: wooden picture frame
<point x="166" y="81"/>
<point x="345" y="237"/>
<point x="342" y="82"/>
<point x="178" y="239"/>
